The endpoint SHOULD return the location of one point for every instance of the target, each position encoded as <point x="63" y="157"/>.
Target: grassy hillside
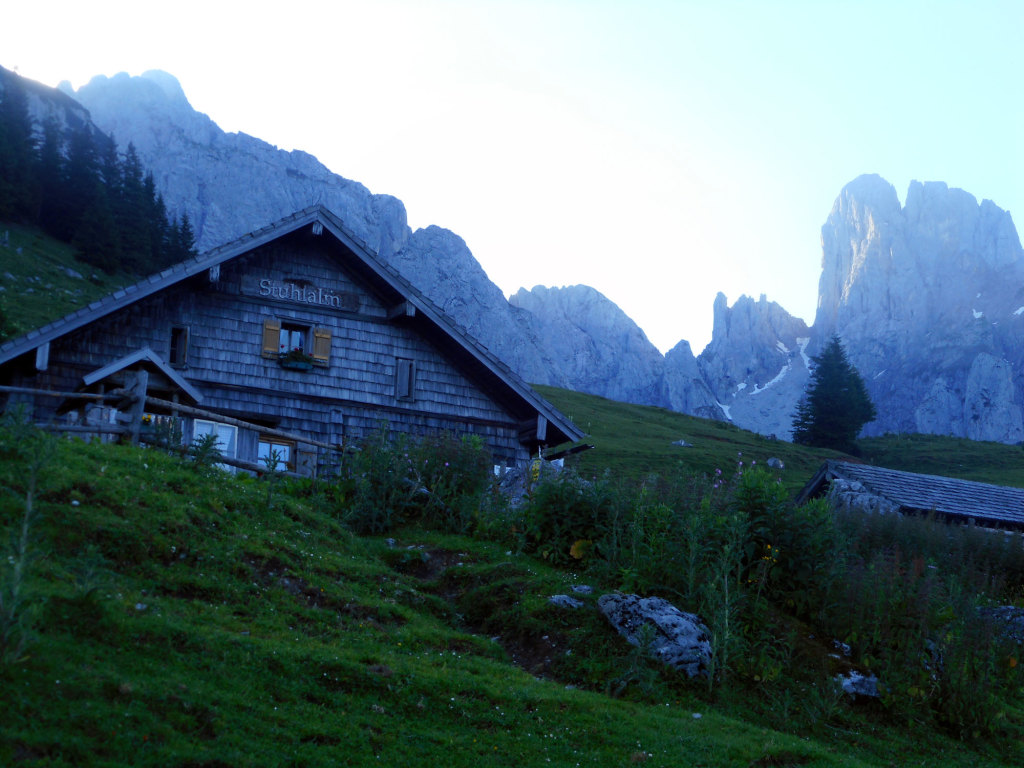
<point x="952" y="456"/>
<point x="42" y="280"/>
<point x="634" y="441"/>
<point x="176" y="616"/>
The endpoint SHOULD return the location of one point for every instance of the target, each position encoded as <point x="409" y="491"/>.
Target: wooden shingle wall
<point x="354" y="395"/>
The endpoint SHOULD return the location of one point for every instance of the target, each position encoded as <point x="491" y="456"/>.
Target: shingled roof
<point x="951" y="499"/>
<point x="430" y="319"/>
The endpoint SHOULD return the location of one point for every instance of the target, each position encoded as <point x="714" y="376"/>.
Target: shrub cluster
<point x="903" y="594"/>
<point x="906" y="596"/>
<point x="442" y="481"/>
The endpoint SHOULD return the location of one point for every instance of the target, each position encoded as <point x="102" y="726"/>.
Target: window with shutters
<point x="286" y="340"/>
<point x="405" y="379"/>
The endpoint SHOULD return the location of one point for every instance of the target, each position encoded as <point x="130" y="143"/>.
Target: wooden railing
<point x="138" y="401"/>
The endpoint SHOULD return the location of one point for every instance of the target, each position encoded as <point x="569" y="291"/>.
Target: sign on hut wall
<point x="300" y="291"/>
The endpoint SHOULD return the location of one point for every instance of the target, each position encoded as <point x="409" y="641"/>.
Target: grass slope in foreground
<point x="183" y="619"/>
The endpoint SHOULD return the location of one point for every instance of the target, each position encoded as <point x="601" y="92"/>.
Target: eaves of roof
<point x="386" y="276"/>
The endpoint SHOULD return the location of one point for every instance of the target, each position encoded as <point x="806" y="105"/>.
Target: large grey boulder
<point x="1008" y="620"/>
<point x="680" y="639"/>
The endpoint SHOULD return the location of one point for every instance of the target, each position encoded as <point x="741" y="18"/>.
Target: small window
<point x="227" y="438"/>
<point x="293" y="338"/>
<point x="178" y="355"/>
<point x="405" y="379"/>
<point x="280" y="453"/>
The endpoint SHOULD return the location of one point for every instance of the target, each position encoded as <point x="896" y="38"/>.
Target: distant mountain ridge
<point x="214" y="176"/>
<point x="928" y="298"/>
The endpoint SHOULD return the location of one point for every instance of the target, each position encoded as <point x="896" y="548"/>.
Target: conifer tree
<point x="186" y="237"/>
<point x="97" y="237"/>
<point x="18" y="152"/>
<point x="134" y="214"/>
<point x="81" y="180"/>
<point x="835" y="405"/>
<point x="51" y="211"/>
<point x="73" y="183"/>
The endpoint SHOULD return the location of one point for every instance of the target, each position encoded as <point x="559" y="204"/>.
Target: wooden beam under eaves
<point x="534" y="431"/>
<point x="404" y="309"/>
<point x="43" y="356"/>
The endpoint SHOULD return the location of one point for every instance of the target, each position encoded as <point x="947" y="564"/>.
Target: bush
<point x="377" y="490"/>
<point x="909" y="608"/>
<point x="566" y="516"/>
<point x="454" y="480"/>
<point x="441" y="480"/>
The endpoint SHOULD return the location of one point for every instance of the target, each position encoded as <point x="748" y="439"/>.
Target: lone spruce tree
<point x="836" y="404"/>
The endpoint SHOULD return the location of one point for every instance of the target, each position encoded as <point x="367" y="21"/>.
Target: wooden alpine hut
<point x="295" y="338"/>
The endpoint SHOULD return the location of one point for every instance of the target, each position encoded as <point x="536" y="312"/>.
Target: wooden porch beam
<point x="403" y="309"/>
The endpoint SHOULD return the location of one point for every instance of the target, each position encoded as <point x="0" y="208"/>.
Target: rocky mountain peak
<point x="602" y="350"/>
<point x="231" y="184"/>
<point x="755" y="364"/>
<point x="926" y="300"/>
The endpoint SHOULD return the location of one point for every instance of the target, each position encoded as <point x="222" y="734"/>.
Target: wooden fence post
<point x="138" y="391"/>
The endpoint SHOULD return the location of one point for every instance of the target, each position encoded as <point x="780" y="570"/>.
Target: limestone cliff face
<point x="600" y="350"/>
<point x="755" y="364"/>
<point x="929" y="301"/>
<point x="231" y="184"/>
<point x="688" y="392"/>
<point x="228" y="183"/>
<point x="439" y="264"/>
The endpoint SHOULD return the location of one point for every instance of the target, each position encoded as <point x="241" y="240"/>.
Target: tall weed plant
<point x="913" y="589"/>
<point x="28" y="450"/>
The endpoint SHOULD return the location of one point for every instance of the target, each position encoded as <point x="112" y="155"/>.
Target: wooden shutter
<point x="271" y="337"/>
<point x="405" y="377"/>
<point x="321" y="346"/>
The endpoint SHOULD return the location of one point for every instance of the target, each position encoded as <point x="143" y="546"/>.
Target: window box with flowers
<point x="295" y="360"/>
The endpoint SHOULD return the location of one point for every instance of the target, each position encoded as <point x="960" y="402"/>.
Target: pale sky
<point x="658" y="151"/>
